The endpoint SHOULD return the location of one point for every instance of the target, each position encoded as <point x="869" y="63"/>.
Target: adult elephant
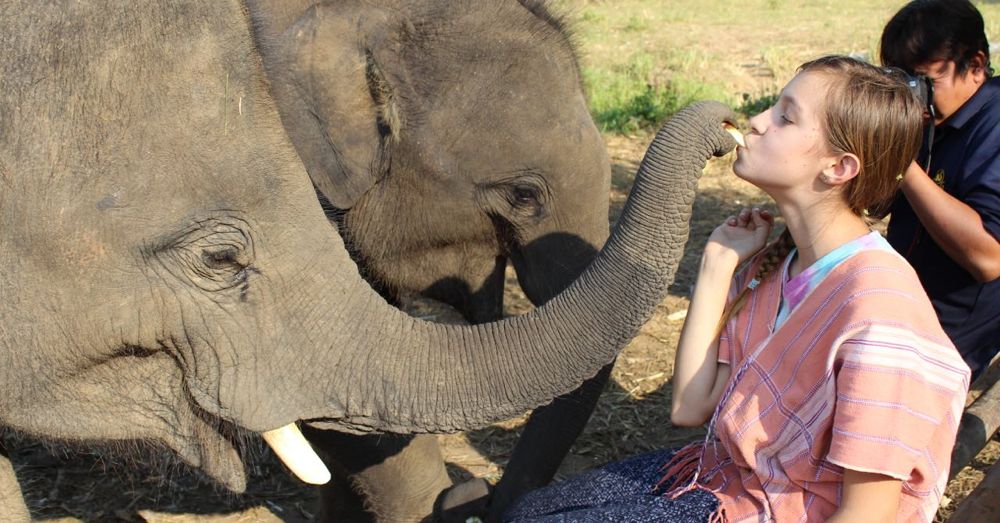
<point x="167" y="274"/>
<point x="448" y="137"/>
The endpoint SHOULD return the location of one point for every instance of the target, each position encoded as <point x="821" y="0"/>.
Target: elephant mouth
<point x="209" y="443"/>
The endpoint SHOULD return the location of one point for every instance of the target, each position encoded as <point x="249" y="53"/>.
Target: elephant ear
<point x="338" y="106"/>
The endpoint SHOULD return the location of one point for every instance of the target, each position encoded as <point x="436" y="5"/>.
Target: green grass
<point x="636" y="23"/>
<point x="630" y="98"/>
<point x="643" y="60"/>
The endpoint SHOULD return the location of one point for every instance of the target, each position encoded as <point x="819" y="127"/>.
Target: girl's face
<point x="786" y="148"/>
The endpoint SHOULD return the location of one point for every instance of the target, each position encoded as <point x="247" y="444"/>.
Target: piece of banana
<point x="735" y="133"/>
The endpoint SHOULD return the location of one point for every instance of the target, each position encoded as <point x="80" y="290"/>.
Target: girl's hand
<point x="740" y="236"/>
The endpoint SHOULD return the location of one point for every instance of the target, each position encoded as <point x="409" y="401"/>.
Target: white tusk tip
<point x="735" y="133"/>
<point x="295" y="452"/>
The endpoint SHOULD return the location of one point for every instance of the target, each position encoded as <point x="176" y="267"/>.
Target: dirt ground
<point x="135" y="484"/>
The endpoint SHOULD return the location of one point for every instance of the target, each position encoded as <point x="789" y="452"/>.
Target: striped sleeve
<point x="898" y="397"/>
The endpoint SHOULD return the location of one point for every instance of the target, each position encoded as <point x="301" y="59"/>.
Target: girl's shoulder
<point x="877" y="268"/>
<point x="880" y="286"/>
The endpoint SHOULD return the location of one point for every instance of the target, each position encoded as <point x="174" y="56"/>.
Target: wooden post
<point x="983" y="504"/>
<point x="979" y="422"/>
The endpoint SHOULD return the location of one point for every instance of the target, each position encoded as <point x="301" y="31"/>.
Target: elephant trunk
<point x="427" y="377"/>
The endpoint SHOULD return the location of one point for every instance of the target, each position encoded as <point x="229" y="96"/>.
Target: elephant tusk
<point x="296" y="453"/>
<point x="735" y="133"/>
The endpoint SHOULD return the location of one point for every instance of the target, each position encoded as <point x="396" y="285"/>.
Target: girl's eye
<point x="784" y="119"/>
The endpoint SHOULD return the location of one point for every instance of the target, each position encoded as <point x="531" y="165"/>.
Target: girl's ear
<point x="841" y="170"/>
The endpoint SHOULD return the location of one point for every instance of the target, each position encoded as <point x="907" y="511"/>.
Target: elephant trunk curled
<point x="436" y="378"/>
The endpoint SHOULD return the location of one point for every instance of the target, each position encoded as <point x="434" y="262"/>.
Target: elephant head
<point x="167" y="274"/>
<point x="449" y="136"/>
<point x="144" y="182"/>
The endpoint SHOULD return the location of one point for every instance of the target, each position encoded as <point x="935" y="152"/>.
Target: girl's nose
<point x="758" y="122"/>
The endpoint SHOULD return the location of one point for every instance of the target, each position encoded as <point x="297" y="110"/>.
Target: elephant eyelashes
<point x="226" y="265"/>
<point x="524" y="195"/>
<point x="214" y="256"/>
<point x="222" y="259"/>
<point x="527" y="202"/>
<point x="519" y="200"/>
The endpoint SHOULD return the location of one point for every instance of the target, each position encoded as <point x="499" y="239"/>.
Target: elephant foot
<point x="467" y="502"/>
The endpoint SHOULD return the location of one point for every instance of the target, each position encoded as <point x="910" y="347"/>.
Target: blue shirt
<point x="965" y="161"/>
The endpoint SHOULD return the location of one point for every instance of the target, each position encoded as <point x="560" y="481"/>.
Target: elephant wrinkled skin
<point x="167" y="274"/>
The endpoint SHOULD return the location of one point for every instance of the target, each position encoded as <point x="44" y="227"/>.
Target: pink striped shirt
<point x="859" y="376"/>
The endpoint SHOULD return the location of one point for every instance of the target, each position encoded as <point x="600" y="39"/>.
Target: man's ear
<point x="977" y="67"/>
<point x="844" y="167"/>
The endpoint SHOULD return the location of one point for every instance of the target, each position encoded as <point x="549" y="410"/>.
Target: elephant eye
<point x="525" y="195"/>
<point x="213" y="255"/>
<point x="521" y="198"/>
<point x="226" y="265"/>
<point x="223" y="265"/>
<point x="222" y="259"/>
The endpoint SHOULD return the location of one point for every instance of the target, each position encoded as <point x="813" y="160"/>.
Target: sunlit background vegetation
<point x="644" y="59"/>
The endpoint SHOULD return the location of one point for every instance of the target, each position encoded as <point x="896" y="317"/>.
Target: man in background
<point x="946" y="221"/>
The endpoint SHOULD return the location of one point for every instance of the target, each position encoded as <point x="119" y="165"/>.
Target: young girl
<point x="831" y="392"/>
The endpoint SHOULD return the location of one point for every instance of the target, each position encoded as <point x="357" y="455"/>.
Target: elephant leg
<point x="11" y="501"/>
<point x="379" y="477"/>
<point x="544" y="443"/>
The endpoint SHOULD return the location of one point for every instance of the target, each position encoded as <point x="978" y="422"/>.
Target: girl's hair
<point x="871" y="113"/>
<point x="773" y="255"/>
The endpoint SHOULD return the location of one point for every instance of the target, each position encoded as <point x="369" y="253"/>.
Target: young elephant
<point x="449" y="138"/>
<point x="167" y="274"/>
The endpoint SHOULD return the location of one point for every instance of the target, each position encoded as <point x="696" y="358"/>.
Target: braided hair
<point x="773" y="255"/>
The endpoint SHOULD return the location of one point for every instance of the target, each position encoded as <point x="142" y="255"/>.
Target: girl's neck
<point x="817" y="232"/>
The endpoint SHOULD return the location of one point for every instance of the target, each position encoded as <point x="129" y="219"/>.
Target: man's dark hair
<point x="928" y="30"/>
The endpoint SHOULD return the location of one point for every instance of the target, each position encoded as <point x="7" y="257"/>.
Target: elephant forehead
<point x="514" y="132"/>
<point x="122" y="92"/>
<point x="515" y="79"/>
<point x="126" y="133"/>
